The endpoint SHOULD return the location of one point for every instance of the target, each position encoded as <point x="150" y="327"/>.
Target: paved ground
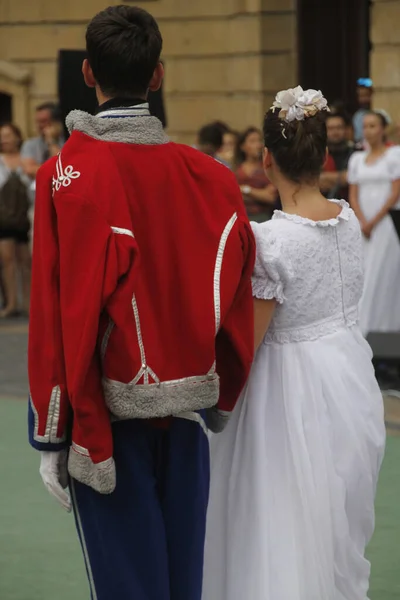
<point x="14" y="380"/>
<point x="39" y="553"/>
<point x="13" y="359"/>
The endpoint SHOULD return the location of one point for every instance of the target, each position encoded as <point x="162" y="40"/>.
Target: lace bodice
<point x="314" y="269"/>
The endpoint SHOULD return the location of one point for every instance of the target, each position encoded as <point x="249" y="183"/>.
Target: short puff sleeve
<point x="353" y="168"/>
<point x="271" y="273"/>
<point x="394" y="162"/>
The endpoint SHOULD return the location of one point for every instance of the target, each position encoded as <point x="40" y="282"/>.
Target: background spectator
<point x="334" y="177"/>
<point x="374" y="176"/>
<point x="226" y="154"/>
<point x="228" y="150"/>
<point x="210" y="140"/>
<point x="259" y="194"/>
<point x="365" y="92"/>
<point x="14" y="223"/>
<point x="49" y="142"/>
<point x="339" y="108"/>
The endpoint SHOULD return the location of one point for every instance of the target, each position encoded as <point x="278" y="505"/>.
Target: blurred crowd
<point x="242" y="151"/>
<point x="19" y="163"/>
<point x="367" y="130"/>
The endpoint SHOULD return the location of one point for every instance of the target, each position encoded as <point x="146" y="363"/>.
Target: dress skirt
<point x="380" y="303"/>
<point x="294" y="476"/>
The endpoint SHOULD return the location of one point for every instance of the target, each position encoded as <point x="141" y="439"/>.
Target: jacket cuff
<point x="216" y="419"/>
<point x="42" y="446"/>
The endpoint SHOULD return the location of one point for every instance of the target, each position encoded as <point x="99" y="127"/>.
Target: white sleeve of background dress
<point x="352" y="171"/>
<point x="394" y="162"/>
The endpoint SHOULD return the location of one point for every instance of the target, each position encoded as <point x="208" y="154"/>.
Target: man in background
<point x="365" y="92"/>
<point x="334" y="177"/>
<point x="210" y="140"/>
<point x="49" y="142"/>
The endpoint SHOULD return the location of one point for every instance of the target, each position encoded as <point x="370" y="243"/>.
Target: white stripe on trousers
<point x="83" y="541"/>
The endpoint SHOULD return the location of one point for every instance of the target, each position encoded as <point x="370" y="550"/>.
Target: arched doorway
<point x="6" y="115"/>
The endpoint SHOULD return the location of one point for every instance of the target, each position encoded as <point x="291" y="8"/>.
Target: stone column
<point x="385" y="56"/>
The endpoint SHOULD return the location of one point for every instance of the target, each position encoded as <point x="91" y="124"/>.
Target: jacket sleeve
<point x="96" y="258"/>
<point x="235" y="339"/>
<point x="91" y="260"/>
<point x="48" y="412"/>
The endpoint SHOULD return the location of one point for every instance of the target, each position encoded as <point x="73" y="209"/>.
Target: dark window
<point x="5" y="108"/>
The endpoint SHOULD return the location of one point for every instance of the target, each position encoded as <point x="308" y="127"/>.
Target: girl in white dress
<point x="294" y="473"/>
<point x="374" y="178"/>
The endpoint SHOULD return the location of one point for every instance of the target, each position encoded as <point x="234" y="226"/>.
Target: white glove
<point x="54" y="472"/>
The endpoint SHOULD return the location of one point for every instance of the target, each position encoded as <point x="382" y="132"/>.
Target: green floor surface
<point x="40" y="557"/>
<point x="39" y="554"/>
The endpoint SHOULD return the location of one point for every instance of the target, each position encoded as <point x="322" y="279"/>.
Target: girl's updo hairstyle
<point x="297" y="143"/>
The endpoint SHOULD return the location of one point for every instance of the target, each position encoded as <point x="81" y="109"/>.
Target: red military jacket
<point x="141" y="298"/>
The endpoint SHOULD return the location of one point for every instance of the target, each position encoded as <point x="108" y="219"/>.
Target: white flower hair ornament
<point x="298" y="104"/>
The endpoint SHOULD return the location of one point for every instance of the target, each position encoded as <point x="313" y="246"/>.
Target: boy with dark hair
<point x="141" y="333"/>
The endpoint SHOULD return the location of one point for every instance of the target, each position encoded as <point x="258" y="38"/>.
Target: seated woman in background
<point x="14" y="223"/>
<point x="259" y="194"/>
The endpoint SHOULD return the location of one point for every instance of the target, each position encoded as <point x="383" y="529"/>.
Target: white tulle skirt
<point x="294" y="476"/>
<point x="380" y="304"/>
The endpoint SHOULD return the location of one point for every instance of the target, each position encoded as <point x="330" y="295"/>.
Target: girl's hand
<point x="367" y="228"/>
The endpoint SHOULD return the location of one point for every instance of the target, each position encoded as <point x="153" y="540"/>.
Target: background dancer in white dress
<point x="374" y="176"/>
<point x="294" y="473"/>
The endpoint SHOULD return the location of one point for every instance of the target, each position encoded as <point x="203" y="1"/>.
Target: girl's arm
<point x="390" y="202"/>
<point x="263" y="312"/>
<point x="353" y="199"/>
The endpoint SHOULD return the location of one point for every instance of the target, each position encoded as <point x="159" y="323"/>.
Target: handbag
<point x="14" y="205"/>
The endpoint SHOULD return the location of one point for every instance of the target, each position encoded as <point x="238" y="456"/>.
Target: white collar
<point x="126" y="111"/>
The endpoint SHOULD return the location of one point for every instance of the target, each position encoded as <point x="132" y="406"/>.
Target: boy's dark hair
<point x="299" y="147"/>
<point x="123" y="46"/>
<point x="211" y="135"/>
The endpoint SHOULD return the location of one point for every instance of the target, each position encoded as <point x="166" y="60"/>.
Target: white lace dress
<point x="294" y="473"/>
<point x="380" y="303"/>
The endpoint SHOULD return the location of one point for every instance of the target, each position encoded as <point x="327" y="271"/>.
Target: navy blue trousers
<point x="145" y="541"/>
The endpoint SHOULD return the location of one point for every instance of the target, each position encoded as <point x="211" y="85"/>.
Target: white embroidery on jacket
<point x="63" y="177"/>
<point x="121" y="231"/>
<point x="82" y="535"/>
<point x="218" y="269"/>
<point x="144" y="370"/>
<point x="53" y="418"/>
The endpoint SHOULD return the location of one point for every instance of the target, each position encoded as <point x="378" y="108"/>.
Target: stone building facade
<point x="224" y="59"/>
<point x="385" y="56"/>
